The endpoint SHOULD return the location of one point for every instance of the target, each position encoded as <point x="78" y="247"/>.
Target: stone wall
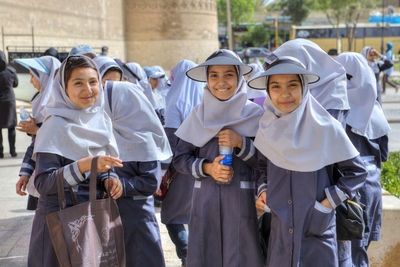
<point x="64" y="23"/>
<point x="163" y="32"/>
<point x="151" y="32"/>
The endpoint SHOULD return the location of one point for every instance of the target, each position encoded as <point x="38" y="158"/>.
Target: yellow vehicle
<point x="367" y="34"/>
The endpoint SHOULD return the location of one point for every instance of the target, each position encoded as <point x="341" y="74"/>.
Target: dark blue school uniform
<point x="41" y="252"/>
<point x="373" y="153"/>
<point x="303" y="232"/>
<point x="140" y="180"/>
<point x="223" y="222"/>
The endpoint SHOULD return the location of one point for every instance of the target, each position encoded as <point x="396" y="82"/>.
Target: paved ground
<point x="16" y="221"/>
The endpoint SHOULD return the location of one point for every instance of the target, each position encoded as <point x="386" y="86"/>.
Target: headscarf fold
<point x="72" y="132"/>
<point x="136" y="127"/>
<point x="183" y="95"/>
<point x="104" y="63"/>
<point x="366" y="116"/>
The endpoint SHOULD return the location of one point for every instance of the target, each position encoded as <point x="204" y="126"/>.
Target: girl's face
<point x="34" y="81"/>
<point x="153" y="83"/>
<point x="111" y="75"/>
<point x="83" y="87"/>
<point x="222" y="81"/>
<point x="285" y="91"/>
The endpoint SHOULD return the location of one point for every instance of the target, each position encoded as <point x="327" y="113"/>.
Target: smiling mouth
<point x="286" y="103"/>
<point x="223" y="90"/>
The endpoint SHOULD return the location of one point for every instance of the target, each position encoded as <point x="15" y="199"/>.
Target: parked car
<point x="254" y="52"/>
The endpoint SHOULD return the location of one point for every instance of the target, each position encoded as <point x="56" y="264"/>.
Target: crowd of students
<point x="287" y="123"/>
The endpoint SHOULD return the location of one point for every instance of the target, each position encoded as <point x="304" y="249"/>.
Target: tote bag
<point x="87" y="234"/>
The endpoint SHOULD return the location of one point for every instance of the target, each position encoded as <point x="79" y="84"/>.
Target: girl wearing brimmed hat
<point x="223" y="223"/>
<point x="298" y="140"/>
<point x="42" y="71"/>
<point x="368" y="129"/>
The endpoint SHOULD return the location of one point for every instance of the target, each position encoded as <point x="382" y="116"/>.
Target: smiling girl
<point x="75" y="129"/>
<point x="223" y="223"/>
<point x="298" y="140"/>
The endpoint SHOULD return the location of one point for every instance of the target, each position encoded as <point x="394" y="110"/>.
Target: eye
<point x="213" y="75"/>
<point x="78" y="83"/>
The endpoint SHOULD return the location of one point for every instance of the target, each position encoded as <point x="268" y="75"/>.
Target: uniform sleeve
<point x="146" y="180"/>
<point x="261" y="173"/>
<point x="248" y="152"/>
<point x="186" y="161"/>
<point x="353" y="177"/>
<point x="172" y="138"/>
<point x="28" y="164"/>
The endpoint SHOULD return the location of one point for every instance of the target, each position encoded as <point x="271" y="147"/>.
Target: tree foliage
<point x="297" y="10"/>
<point x="256" y="35"/>
<point x="241" y="11"/>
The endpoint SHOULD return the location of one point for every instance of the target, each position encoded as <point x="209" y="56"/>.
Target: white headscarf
<point x="137" y="129"/>
<point x="72" y="132"/>
<point x="213" y="115"/>
<point x="330" y="90"/>
<point x="46" y="86"/>
<point x="252" y="93"/>
<point x="104" y="63"/>
<point x="366" y="116"/>
<point x="306" y="139"/>
<point x="183" y="95"/>
<point x="154" y="99"/>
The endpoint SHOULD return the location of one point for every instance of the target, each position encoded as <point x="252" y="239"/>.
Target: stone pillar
<point x="162" y="32"/>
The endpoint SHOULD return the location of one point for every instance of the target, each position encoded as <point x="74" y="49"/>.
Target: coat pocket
<point x="320" y="219"/>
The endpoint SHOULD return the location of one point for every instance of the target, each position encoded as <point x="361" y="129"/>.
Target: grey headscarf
<point x="104" y="63"/>
<point x="72" y="132"/>
<point x="137" y="129"/>
<point x="330" y="90"/>
<point x="306" y="139"/>
<point x="212" y="115"/>
<point x="366" y="116"/>
<point x="46" y="80"/>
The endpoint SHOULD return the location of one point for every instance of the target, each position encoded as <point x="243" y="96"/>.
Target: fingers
<point x="115" y="188"/>
<point x="259" y="204"/>
<point x="219" y="158"/>
<point x="20" y="185"/>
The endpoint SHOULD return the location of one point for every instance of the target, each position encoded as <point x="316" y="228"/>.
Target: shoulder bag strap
<point x="93" y="180"/>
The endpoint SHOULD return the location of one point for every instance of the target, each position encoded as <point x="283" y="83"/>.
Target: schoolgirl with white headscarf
<point x="75" y="129"/>
<point x="298" y="140"/>
<point x="368" y="129"/>
<point x="142" y="145"/>
<point x="182" y="97"/>
<point x="223" y="197"/>
<point x="43" y="70"/>
<point x="330" y="89"/>
<point x="108" y="68"/>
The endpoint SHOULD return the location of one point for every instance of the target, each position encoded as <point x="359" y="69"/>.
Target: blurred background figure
<point x="8" y="114"/>
<point x="389" y="71"/>
<point x="104" y="51"/>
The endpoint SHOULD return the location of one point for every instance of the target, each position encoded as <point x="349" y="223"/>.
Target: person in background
<point x="8" y="113"/>
<point x="299" y="144"/>
<point x="386" y="73"/>
<point x="42" y="71"/>
<point x="377" y="66"/>
<point x="85" y="50"/>
<point x="109" y="69"/>
<point x="368" y="130"/>
<point x="142" y="145"/>
<point x="51" y="51"/>
<point x="223" y="221"/>
<point x="333" y="52"/>
<point x="256" y="96"/>
<point x="104" y="51"/>
<point x="182" y="97"/>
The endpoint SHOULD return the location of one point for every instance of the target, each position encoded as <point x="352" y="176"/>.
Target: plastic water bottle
<point x="23" y="114"/>
<point x="227" y="152"/>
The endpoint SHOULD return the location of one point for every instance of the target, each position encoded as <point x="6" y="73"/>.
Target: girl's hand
<point x="326" y="203"/>
<point x="229" y="137"/>
<point x="113" y="187"/>
<point x="261" y="201"/>
<point x="219" y="172"/>
<point x="28" y="127"/>
<point x="104" y="163"/>
<point x="21" y="184"/>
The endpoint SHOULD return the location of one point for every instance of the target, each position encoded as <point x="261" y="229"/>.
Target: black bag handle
<point x="93" y="179"/>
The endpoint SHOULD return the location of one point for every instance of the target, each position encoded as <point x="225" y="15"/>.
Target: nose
<point x="88" y="88"/>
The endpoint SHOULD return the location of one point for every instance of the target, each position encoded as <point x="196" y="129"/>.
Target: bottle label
<point x="227" y="161"/>
<point x="24" y="115"/>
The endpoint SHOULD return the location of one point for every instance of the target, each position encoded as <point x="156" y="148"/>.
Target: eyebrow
<point x="289" y="81"/>
<point x="213" y="71"/>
